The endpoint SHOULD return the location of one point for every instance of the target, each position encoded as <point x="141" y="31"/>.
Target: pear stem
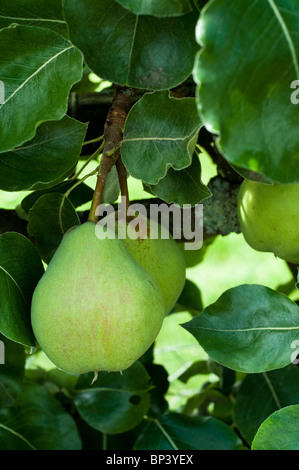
<point x="104" y="441"/>
<point x="123" y="183"/>
<point x="95" y="377"/>
<point x="106" y="165"/>
<point x="93" y="141"/>
<point x="67" y="193"/>
<point x="92" y="157"/>
<point x="113" y="134"/>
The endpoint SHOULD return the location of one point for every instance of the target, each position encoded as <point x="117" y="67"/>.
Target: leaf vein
<point x="34" y="74"/>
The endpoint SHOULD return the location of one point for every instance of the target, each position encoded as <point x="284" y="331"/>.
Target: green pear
<point x="269" y="220"/>
<point x="160" y="257"/>
<point x="95" y="308"/>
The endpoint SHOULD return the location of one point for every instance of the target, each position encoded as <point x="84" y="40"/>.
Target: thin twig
<point x="92" y="157"/>
<point x="94" y="141"/>
<point x="92" y="173"/>
<point x="123" y="183"/>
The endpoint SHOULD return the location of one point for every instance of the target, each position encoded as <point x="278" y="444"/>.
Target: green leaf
<point x="174" y="431"/>
<point x="182" y="187"/>
<point x="43" y="13"/>
<point x="190" y="299"/>
<point x="46" y="159"/>
<point x="159" y="379"/>
<point x="126" y="49"/>
<point x="115" y="403"/>
<point x="157" y="8"/>
<point x="279" y="431"/>
<point x="251" y="175"/>
<point x="111" y="189"/>
<point x="250" y="328"/>
<point x="197" y="368"/>
<point x="244" y="74"/>
<point x="157" y="138"/>
<point x="210" y="400"/>
<point x="55" y="380"/>
<point x="38" y="421"/>
<point x="38" y="72"/>
<point x="20" y="271"/>
<point x="11" y="372"/>
<point x="78" y="196"/>
<point x="199" y="4"/>
<point x="261" y="395"/>
<point x="48" y="230"/>
<point x="194" y="257"/>
<point x="227" y="376"/>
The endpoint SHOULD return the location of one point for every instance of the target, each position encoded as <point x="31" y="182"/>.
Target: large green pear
<point x="95" y="308"/>
<point x="269" y="218"/>
<point x="160" y="256"/>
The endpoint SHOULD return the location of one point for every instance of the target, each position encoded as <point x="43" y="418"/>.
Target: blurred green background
<point x="228" y="262"/>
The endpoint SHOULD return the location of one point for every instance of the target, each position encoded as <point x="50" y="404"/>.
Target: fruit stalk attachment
<point x="113" y="134"/>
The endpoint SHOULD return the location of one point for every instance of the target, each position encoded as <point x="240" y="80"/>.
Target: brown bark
<point x="113" y="134"/>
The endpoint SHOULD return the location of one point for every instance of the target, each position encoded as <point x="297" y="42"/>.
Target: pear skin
<point x="160" y="257"/>
<point x="268" y="216"/>
<point x="95" y="308"/>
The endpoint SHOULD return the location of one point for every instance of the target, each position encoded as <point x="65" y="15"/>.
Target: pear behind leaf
<point x="160" y="257"/>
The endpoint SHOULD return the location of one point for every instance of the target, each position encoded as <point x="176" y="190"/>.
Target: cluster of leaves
<point x="243" y="58"/>
<point x="50" y="409"/>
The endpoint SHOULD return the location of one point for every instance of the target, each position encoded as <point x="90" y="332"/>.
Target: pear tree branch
<point x="113" y="134"/>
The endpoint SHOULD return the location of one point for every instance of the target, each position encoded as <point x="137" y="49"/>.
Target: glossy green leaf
<point x="11" y="372"/>
<point x="50" y="217"/>
<point x="190" y="299"/>
<point x="280" y="431"/>
<point x="78" y="196"/>
<point x="251" y="175"/>
<point x="157" y="138"/>
<point x="212" y="401"/>
<point x="159" y="380"/>
<point x="43" y="13"/>
<point x="194" y="257"/>
<point x="138" y="51"/>
<point x="174" y="431"/>
<point x="250" y="328"/>
<point x="20" y="271"/>
<point x="182" y="187"/>
<point x="111" y="189"/>
<point x="38" y="72"/>
<point x="197" y="368"/>
<point x="156" y="7"/>
<point x="115" y="403"/>
<point x="37" y="422"/>
<point x="244" y="72"/>
<point x="261" y="395"/>
<point x="46" y="159"/>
